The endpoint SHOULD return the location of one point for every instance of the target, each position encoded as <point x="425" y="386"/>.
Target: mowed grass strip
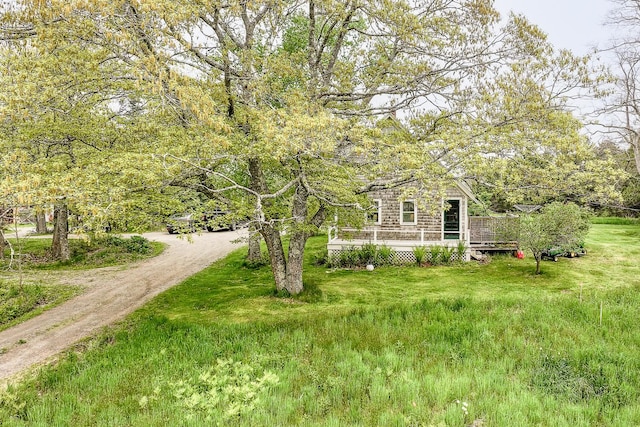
<point x="396" y="346"/>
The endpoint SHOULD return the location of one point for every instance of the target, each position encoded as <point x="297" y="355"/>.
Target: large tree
<point x="630" y="185"/>
<point x="531" y="144"/>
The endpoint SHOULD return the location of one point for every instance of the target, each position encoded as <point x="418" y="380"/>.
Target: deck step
<point x="478" y="256"/>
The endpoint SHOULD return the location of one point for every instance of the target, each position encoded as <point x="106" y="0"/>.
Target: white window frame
<point x="415" y="212"/>
<point x="379" y="204"/>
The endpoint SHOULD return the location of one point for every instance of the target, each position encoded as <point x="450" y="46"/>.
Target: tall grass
<point x="396" y="346"/>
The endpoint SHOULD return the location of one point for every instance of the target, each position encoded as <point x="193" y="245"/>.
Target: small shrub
<point x="349" y="257"/>
<point x="461" y="250"/>
<point x="368" y="254"/>
<point x="317" y="259"/>
<point x="434" y="254"/>
<point x="134" y="244"/>
<point x="225" y="391"/>
<point x="138" y="245"/>
<point x="420" y="252"/>
<point x="447" y="254"/>
<point x="111" y="240"/>
<point x="386" y="255"/>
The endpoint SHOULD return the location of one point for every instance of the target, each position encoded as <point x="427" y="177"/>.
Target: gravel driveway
<point x="111" y="294"/>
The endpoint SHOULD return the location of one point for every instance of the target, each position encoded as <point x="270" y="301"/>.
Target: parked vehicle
<point x="211" y="221"/>
<point x="552" y="254"/>
<point x="183" y="223"/>
<point x="220" y="220"/>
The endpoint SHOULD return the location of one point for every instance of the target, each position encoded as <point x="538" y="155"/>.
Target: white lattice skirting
<point x="402" y="257"/>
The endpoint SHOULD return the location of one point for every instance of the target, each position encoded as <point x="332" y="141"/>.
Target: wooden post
<point x="601" y="313"/>
<point x="581" y="292"/>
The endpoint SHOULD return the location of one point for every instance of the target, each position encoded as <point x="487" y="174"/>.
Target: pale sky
<point x="570" y="24"/>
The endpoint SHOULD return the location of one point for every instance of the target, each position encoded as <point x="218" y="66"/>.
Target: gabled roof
<point x="527" y="208"/>
<point x="464" y="187"/>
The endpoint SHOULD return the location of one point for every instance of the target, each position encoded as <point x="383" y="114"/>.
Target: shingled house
<point x="401" y="224"/>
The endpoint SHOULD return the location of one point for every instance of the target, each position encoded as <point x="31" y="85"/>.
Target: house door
<point x="452" y="221"/>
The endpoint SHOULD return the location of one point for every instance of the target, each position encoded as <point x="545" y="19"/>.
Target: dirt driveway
<point x="111" y="294"/>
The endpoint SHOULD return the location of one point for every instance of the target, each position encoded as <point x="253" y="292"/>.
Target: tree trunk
<point x="270" y="234"/>
<point x="60" y="245"/>
<point x="287" y="272"/>
<point x="294" y="265"/>
<point x="635" y="143"/>
<point x="276" y="256"/>
<point x="254" y="255"/>
<point x="297" y="241"/>
<point x="41" y="222"/>
<point x="3" y="244"/>
<point x="538" y="259"/>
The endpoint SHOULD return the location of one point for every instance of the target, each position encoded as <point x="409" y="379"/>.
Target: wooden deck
<point x="402" y="245"/>
<point x="484" y="235"/>
<point x="489" y="232"/>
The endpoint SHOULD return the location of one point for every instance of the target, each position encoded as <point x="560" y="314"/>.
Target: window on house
<point x="408" y="214"/>
<point x="451" y="221"/>
<point x="375" y="213"/>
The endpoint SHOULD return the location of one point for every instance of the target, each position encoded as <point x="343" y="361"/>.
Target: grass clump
<point x="19" y="302"/>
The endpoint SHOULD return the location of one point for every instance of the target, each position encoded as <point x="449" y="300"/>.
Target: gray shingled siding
<point x="430" y="222"/>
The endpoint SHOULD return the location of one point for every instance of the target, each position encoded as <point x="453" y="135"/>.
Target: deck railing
<point x="483" y="230"/>
<point x="489" y="230"/>
<point x="376" y="235"/>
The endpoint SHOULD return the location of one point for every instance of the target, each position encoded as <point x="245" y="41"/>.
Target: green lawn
<point x="396" y="346"/>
